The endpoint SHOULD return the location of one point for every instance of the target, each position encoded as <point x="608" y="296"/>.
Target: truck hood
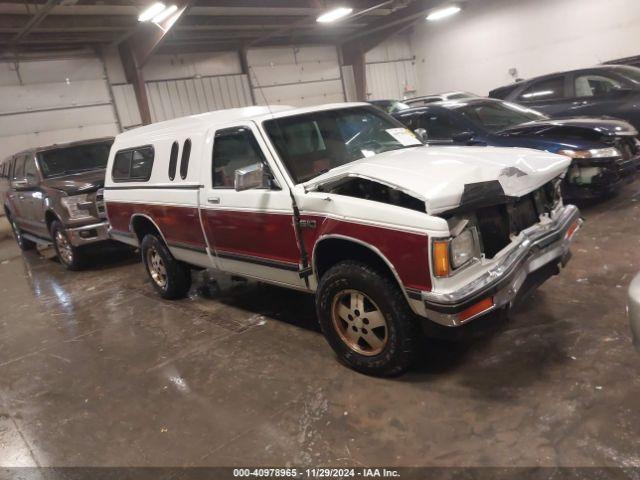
<point x="77" y="183"/>
<point x="600" y="125"/>
<point x="438" y="175"/>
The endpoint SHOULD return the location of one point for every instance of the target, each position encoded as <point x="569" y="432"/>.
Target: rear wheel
<point x="23" y="243"/>
<point x="170" y="278"/>
<point x="71" y="257"/>
<point x="366" y="319"/>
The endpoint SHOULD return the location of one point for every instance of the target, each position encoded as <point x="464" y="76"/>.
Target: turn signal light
<point x="441" y="258"/>
<point x="481" y="306"/>
<point x="571" y="230"/>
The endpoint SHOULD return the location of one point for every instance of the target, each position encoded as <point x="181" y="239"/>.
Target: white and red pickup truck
<point x="344" y="202"/>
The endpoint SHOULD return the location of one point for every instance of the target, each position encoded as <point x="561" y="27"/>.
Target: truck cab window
<point x="18" y="169"/>
<point x="184" y="161"/>
<point x="133" y="165"/>
<point x="31" y="171"/>
<point x="233" y="148"/>
<point x="173" y="160"/>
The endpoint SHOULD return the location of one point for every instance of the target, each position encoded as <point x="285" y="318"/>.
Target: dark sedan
<point x="612" y="90"/>
<point x="605" y="152"/>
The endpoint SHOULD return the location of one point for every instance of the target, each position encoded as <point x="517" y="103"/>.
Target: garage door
<point x="53" y="101"/>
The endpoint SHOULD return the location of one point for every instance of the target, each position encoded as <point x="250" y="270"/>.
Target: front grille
<point x="100" y="204"/>
<point x="498" y="222"/>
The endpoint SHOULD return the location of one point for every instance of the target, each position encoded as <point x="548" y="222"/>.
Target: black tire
<point x="402" y="329"/>
<point x="23" y="243"/>
<point x="177" y="279"/>
<point x="72" y="258"/>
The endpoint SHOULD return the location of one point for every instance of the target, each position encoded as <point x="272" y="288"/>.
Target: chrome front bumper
<point x="87" y="234"/>
<point x="633" y="309"/>
<point x="542" y="251"/>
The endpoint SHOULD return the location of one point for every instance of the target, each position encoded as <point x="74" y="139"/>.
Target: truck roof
<point x="209" y="119"/>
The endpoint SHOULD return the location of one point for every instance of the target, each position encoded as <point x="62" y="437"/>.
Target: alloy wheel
<point x="359" y="322"/>
<point x="64" y="247"/>
<point x="156" y="267"/>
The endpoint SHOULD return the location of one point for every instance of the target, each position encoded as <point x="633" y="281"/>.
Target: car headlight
<point x="451" y="254"/>
<point x="78" y="206"/>
<point x="592" y="153"/>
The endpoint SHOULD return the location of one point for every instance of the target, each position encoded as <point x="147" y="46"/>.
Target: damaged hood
<point x="438" y="175"/>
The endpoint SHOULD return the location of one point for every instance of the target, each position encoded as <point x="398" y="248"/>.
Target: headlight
<point x="593" y="153"/>
<point x="464" y="248"/>
<point x="451" y="254"/>
<point x="78" y="206"/>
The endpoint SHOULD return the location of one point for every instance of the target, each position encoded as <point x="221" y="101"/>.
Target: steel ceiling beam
<point x="34" y="21"/>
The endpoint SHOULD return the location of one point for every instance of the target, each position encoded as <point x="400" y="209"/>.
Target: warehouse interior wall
<point x="391" y="69"/>
<point x="475" y="49"/>
<point x="59" y="99"/>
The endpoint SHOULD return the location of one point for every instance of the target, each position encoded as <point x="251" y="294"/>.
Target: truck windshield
<point x="76" y="159"/>
<point x="314" y="143"/>
<point x="496" y="116"/>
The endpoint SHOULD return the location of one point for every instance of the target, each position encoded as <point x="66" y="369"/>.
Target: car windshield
<point x="632" y="73"/>
<point x="498" y="116"/>
<point x="76" y="159"/>
<point x="314" y="143"/>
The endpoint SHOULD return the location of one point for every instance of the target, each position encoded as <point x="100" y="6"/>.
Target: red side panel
<point x="178" y="224"/>
<point x="266" y="235"/>
<point x="407" y="252"/>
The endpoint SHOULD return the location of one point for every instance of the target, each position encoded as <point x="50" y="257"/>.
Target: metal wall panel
<point x="297" y="76"/>
<point x="125" y="102"/>
<point x="53" y="100"/>
<point x="177" y="98"/>
<point x="395" y="80"/>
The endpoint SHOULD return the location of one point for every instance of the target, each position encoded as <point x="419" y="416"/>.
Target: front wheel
<point x="23" y="243"/>
<point x="71" y="257"/>
<point x="170" y="278"/>
<point x="366" y="319"/>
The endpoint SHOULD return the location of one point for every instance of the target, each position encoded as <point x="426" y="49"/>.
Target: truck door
<point x="250" y="232"/>
<point x="16" y="193"/>
<point x="32" y="199"/>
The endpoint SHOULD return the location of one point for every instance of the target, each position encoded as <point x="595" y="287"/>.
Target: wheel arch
<point x="349" y="248"/>
<point x="142" y="224"/>
<point x="49" y="217"/>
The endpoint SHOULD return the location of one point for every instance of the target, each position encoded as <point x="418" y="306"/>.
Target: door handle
<point x="214" y="200"/>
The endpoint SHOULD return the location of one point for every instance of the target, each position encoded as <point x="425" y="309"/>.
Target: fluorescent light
<point x="151" y="12"/>
<point x="443" y="13"/>
<point x="333" y="15"/>
<point x="162" y="16"/>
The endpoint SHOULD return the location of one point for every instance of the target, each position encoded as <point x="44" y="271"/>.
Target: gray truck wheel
<point x="23" y="243"/>
<point x="366" y="320"/>
<point x="71" y="257"/>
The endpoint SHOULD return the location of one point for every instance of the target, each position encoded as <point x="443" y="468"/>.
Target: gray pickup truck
<point x="54" y="195"/>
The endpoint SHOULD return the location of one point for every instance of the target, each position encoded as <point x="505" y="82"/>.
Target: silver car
<point x="634" y="310"/>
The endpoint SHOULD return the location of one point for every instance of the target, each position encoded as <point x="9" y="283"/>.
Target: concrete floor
<point x="96" y="370"/>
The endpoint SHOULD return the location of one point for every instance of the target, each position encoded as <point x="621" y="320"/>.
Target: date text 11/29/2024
<point x="315" y="473"/>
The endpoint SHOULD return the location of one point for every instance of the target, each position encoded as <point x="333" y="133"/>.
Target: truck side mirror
<point x="421" y="133"/>
<point x="20" y="184"/>
<point x="251" y="176"/>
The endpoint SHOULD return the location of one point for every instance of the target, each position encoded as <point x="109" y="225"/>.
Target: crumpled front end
<point x="496" y="253"/>
<point x="592" y="176"/>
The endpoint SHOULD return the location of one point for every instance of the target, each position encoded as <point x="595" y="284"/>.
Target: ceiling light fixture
<point x="334" y="15"/>
<point x="443" y="13"/>
<point x="166" y="13"/>
<point x="151" y="12"/>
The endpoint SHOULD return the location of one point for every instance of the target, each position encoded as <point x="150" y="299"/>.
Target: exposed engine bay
<point x="497" y="217"/>
<point x="375" y="191"/>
